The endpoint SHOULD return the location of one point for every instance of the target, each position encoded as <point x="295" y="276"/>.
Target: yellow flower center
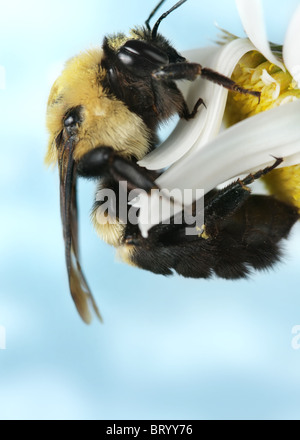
<point x="277" y="88"/>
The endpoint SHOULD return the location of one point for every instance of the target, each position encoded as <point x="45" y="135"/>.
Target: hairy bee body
<point x="80" y="92"/>
<point x="103" y="114"/>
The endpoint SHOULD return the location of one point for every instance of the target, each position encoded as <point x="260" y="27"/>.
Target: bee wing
<point x="79" y="288"/>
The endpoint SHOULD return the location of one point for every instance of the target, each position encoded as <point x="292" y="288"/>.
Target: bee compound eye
<point x="141" y="57"/>
<point x="143" y="49"/>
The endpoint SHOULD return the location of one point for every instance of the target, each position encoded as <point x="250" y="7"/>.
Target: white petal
<point x="239" y="149"/>
<point x="246" y="147"/>
<point x="252" y="17"/>
<point x="185" y="133"/>
<point x="207" y="123"/>
<point x="291" y="48"/>
<point x="225" y="63"/>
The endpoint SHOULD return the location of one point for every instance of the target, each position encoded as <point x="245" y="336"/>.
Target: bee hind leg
<point x="228" y="200"/>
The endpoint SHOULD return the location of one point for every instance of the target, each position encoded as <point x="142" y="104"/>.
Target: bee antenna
<point x="152" y="14"/>
<point x="162" y="17"/>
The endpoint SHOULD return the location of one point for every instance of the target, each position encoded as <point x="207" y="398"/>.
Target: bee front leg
<point x="191" y="71"/>
<point x="105" y="161"/>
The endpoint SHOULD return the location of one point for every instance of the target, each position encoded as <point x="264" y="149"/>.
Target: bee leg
<point x="191" y="71"/>
<point x="252" y="177"/>
<point x="226" y="201"/>
<point x="104" y="161"/>
<point x="186" y="114"/>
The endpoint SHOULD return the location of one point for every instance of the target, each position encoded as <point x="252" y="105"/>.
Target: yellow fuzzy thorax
<point x="277" y="88"/>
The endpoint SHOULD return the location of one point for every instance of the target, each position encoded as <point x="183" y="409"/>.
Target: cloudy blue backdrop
<point x="169" y="348"/>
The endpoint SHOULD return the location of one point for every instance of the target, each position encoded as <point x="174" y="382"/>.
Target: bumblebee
<point x="103" y="114"/>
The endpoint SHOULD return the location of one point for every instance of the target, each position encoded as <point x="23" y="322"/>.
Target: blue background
<point x="169" y="348"/>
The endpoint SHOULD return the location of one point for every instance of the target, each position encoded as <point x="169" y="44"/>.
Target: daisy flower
<point x="198" y="154"/>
